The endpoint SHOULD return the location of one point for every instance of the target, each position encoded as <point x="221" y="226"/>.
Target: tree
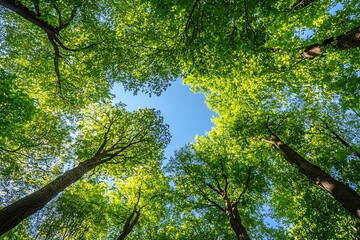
<point x="107" y="136"/>
<point x="346" y="196"/>
<point x="72" y="48"/>
<point x="209" y="176"/>
<point x="144" y="204"/>
<point x="98" y="207"/>
<point x="294" y="63"/>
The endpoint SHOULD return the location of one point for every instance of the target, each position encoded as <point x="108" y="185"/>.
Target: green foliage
<point x="248" y="58"/>
<point x="214" y="162"/>
<point x="16" y="106"/>
<point x="108" y="41"/>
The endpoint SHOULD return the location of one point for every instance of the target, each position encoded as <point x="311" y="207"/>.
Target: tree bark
<point x="233" y="215"/>
<point x="350" y="39"/>
<point x="16" y="212"/>
<point x="29" y="15"/>
<point x="129" y="224"/>
<point x="346" y="196"/>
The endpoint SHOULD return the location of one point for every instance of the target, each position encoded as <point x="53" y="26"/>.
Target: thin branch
<point x="318" y="133"/>
<point x="190" y="20"/>
<point x="341" y="140"/>
<point x="139" y="195"/>
<point x="115" y="146"/>
<point x="226" y="184"/>
<point x="204" y="195"/>
<point x="282" y="121"/>
<point x="56" y="63"/>
<point x="102" y="146"/>
<point x="248" y="22"/>
<point x="218" y="185"/>
<point x="58" y="12"/>
<point x="213" y="188"/>
<point x="246" y="186"/>
<point x="12" y="150"/>
<point x="356" y="113"/>
<point x="300" y="4"/>
<point x="36" y="6"/>
<point x="268" y="125"/>
<point x="75" y="49"/>
<point x="62" y="24"/>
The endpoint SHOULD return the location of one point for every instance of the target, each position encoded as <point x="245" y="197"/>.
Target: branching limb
<point x="10" y="151"/>
<point x="341" y="140"/>
<point x="206" y="197"/>
<point x="213" y="188"/>
<point x="56" y="64"/>
<point x="189" y="20"/>
<point x="103" y="144"/>
<point x="246" y="186"/>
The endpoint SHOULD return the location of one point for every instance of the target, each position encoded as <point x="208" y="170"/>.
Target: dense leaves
<point x="283" y="78"/>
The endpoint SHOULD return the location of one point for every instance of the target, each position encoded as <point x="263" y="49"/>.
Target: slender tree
<point x="134" y="216"/>
<point x="346" y="196"/>
<point x="124" y="136"/>
<point x="208" y="175"/>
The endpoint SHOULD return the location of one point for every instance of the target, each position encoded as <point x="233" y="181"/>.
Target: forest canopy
<point x="281" y="162"/>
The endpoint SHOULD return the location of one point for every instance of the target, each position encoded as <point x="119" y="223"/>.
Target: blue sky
<point x="184" y="111"/>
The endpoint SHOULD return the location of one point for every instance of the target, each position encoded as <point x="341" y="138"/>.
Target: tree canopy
<point x="282" y="161"/>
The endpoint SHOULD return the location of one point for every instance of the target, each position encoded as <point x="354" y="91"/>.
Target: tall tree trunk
<point x="346" y="196"/>
<point x="129" y="224"/>
<point x="350" y="39"/>
<point x="16" y="212"/>
<point x="233" y="215"/>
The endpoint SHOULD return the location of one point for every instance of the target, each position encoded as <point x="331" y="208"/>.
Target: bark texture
<point x="16" y="212"/>
<point x="346" y="196"/>
<point x="130" y="223"/>
<point x="233" y="215"/>
<point x="131" y="220"/>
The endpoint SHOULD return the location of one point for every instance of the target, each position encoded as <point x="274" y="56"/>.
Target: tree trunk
<point x="16" y="212"/>
<point x="350" y="39"/>
<point x="233" y="215"/>
<point x="29" y="15"/>
<point x="346" y="196"/>
<point x="129" y="224"/>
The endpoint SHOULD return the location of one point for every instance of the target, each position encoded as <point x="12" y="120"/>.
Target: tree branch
<point x="246" y="186"/>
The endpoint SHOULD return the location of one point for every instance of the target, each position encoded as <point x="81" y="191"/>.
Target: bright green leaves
<point x="82" y="212"/>
<point x="94" y="45"/>
<point x="212" y="168"/>
<point x="249" y="59"/>
<point x="248" y="81"/>
<point x="124" y="144"/>
<point x="16" y="106"/>
<point x="134" y="137"/>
